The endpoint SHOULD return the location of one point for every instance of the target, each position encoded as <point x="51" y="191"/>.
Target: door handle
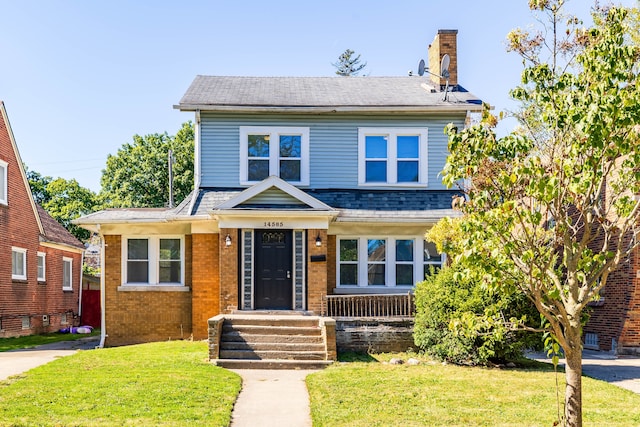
<point x="288" y="274"/>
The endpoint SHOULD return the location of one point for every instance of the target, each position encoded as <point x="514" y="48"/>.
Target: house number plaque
<point x="273" y="224"/>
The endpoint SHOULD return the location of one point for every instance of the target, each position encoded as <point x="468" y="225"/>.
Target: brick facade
<point x="228" y="270"/>
<point x="19" y="227"/>
<point x="141" y="316"/>
<point x="316" y="270"/>
<point x="206" y="282"/>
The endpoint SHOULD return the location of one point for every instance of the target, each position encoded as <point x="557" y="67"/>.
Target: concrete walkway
<point x="277" y="398"/>
<point x="15" y="362"/>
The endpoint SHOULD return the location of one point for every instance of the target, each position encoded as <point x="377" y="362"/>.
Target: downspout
<point x="196" y="163"/>
<point x="81" y="284"/>
<point x="103" y="317"/>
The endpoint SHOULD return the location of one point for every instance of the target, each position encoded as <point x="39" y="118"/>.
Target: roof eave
<point x="429" y="109"/>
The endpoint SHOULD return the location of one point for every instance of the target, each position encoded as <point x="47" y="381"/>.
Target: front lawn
<point x="160" y="384"/>
<point x="431" y="394"/>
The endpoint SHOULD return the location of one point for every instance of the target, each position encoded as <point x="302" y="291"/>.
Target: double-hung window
<point x="153" y="260"/>
<point x="18" y="263"/>
<point x="395" y="156"/>
<point x="67" y="274"/>
<point x="42" y="264"/>
<point x="384" y="261"/>
<point x="3" y="182"/>
<point x="278" y="151"/>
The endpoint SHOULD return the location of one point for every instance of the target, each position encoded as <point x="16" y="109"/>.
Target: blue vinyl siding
<point x="333" y="145"/>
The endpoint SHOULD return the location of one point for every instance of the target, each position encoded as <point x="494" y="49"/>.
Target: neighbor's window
<point x="67" y="273"/>
<point x="26" y="322"/>
<point x="3" y="182"/>
<point x="385" y="261"/>
<point x="154" y="260"/>
<point x="279" y="151"/>
<point x="18" y="263"/>
<point x="42" y="266"/>
<point x="392" y="156"/>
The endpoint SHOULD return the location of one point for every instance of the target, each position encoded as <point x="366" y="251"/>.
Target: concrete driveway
<point x="18" y="361"/>
<point x="622" y="371"/>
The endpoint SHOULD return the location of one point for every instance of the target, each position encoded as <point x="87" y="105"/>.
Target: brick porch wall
<point x="137" y="317"/>
<point x="205" y="283"/>
<point x="317" y="270"/>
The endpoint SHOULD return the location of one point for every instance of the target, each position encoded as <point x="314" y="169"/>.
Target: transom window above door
<point x="278" y="151"/>
<point x="392" y="157"/>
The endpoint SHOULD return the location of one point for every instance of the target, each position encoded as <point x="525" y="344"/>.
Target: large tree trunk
<point x="573" y="390"/>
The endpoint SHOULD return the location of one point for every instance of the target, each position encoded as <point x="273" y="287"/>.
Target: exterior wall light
<point x="227" y="240"/>
<point x="318" y="241"/>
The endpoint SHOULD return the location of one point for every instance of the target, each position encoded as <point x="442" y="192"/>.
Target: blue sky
<point x="80" y="78"/>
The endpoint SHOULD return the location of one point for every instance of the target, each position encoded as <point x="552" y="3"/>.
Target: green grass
<point x="30" y="341"/>
<point x="370" y="393"/>
<point x="159" y="384"/>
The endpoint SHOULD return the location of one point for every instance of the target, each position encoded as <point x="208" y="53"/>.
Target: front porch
<point x="301" y="340"/>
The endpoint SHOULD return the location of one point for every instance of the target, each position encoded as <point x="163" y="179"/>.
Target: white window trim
<point x="24" y="259"/>
<point x="392" y="156"/>
<point x="154" y="261"/>
<point x="390" y="262"/>
<point x="3" y="182"/>
<point x="274" y="150"/>
<point x="66" y="287"/>
<point x="42" y="278"/>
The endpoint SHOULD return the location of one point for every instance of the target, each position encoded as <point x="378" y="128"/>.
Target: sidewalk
<point x="622" y="371"/>
<point x="15" y="362"/>
<point x="277" y="398"/>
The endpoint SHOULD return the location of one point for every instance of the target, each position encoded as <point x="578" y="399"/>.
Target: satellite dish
<point x="444" y="65"/>
<point x="421" y="68"/>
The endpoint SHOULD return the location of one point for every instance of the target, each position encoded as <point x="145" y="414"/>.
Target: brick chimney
<point x="445" y="42"/>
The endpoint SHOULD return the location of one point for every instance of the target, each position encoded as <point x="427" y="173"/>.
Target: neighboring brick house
<point x="305" y="187"/>
<point x="40" y="261"/>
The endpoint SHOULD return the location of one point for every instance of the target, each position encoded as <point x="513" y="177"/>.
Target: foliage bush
<point x="459" y="321"/>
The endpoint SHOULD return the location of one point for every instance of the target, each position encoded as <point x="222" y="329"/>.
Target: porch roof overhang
<point x="274" y="218"/>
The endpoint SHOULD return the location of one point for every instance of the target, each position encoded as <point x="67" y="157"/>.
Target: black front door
<point x="273" y="270"/>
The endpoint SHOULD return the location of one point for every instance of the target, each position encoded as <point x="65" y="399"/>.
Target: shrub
<point x="458" y="321"/>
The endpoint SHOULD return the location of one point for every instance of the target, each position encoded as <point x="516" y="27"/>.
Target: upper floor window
<point x="67" y="274"/>
<point x="3" y="182"/>
<point x="42" y="266"/>
<point x="18" y="263"/>
<point x="153" y="260"/>
<point x="392" y="156"/>
<point x="279" y="151"/>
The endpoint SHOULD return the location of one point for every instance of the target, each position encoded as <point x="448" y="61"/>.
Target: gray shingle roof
<point x="353" y="205"/>
<point x="221" y="93"/>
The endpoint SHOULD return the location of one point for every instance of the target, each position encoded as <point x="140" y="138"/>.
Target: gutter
<point x="442" y="108"/>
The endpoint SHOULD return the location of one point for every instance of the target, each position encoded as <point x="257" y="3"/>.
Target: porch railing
<point x="374" y="306"/>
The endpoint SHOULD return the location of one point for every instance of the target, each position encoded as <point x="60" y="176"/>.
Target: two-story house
<point x="305" y="187"/>
<point x="40" y="261"/>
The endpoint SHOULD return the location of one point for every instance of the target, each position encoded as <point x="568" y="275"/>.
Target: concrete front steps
<point x="271" y="341"/>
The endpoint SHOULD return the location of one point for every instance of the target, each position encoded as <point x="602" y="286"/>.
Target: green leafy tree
<point x="138" y="175"/>
<point x="66" y="200"/>
<point x="38" y="185"/>
<point x="550" y="207"/>
<point x="349" y="64"/>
